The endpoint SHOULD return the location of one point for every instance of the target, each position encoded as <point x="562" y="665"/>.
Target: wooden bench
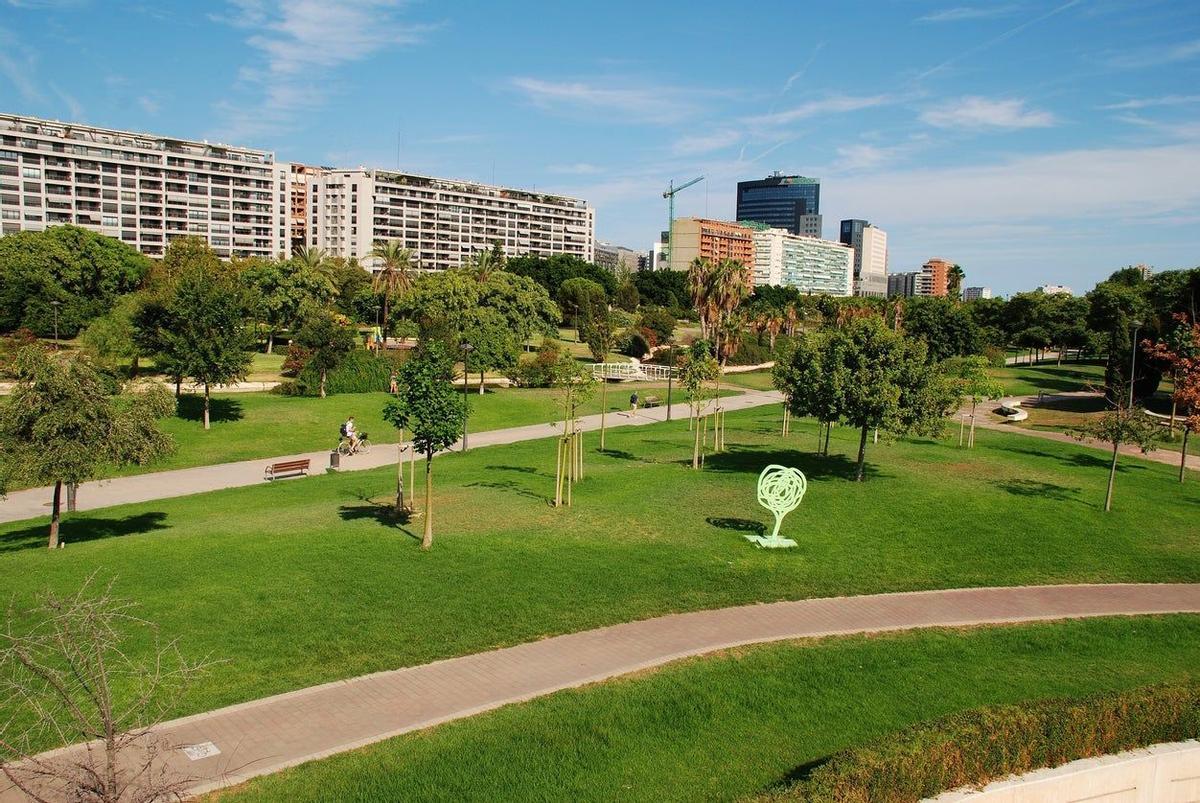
<point x="275" y="470"/>
<point x="651" y="401"/>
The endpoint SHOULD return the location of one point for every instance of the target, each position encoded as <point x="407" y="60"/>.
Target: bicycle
<point x="345" y="449"/>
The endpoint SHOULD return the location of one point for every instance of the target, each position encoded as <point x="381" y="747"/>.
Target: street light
<point x="467" y="348"/>
<point x="55" y="304"/>
<point x="1133" y="361"/>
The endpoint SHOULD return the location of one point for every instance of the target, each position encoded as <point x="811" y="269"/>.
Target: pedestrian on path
<point x="633" y="402"/>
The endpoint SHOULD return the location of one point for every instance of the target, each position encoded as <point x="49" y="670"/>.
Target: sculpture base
<point x="767" y="542"/>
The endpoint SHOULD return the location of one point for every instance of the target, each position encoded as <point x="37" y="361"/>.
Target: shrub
<point x="660" y="321"/>
<point x="750" y="353"/>
<point x="297" y="357"/>
<point x="981" y="745"/>
<point x="538" y="372"/>
<point x="633" y="343"/>
<point x="360" y="372"/>
<point x="10" y="345"/>
<point x="996" y="356"/>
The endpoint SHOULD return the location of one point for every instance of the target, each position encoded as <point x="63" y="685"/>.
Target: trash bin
<point x="335" y="459"/>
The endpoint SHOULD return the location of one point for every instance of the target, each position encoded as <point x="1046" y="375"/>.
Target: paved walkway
<point x="267" y="735"/>
<point x="985" y="419"/>
<point x="34" y="502"/>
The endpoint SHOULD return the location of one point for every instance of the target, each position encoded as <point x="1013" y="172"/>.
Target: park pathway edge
<point x="267" y="735"/>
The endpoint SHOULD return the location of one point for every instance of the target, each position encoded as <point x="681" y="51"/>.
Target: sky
<point x="1030" y="142"/>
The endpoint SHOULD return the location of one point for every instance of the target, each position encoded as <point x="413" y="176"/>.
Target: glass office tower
<point x="782" y="202"/>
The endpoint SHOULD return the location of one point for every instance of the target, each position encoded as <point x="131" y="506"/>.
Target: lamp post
<point x="1133" y="361"/>
<point x="670" y="374"/>
<point x="55" y="304"/>
<point x="467" y="348"/>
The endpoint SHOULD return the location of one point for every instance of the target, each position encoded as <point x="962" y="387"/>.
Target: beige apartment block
<point x="442" y="221"/>
<point x="143" y="189"/>
<point x="713" y="240"/>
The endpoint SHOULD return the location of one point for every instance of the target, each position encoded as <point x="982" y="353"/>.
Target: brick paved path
<point x="267" y="735"/>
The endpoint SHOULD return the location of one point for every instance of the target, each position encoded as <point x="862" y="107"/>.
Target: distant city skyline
<point x="1009" y="137"/>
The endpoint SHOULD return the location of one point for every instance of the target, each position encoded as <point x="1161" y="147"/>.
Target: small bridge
<point x="630" y="371"/>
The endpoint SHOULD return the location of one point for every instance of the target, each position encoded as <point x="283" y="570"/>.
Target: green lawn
<point x="758" y="380"/>
<point x="1029" y="380"/>
<point x="732" y="725"/>
<point x="305" y="581"/>
<point x="253" y="425"/>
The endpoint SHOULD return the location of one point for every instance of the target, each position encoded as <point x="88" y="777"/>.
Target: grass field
<point x="728" y="726"/>
<point x="246" y="426"/>
<point x="305" y="581"/>
<point x="758" y="380"/>
<point x="1029" y="380"/>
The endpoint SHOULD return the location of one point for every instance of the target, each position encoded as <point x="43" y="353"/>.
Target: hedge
<point x="974" y="747"/>
<point x="360" y="372"/>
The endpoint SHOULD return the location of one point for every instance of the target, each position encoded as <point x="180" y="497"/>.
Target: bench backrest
<point x="290" y="464"/>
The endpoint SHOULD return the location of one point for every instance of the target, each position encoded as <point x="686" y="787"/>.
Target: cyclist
<point x="350" y="434"/>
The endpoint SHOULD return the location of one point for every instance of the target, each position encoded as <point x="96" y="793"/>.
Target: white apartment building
<point x="872" y="278"/>
<point x="143" y="189"/>
<point x="809" y="264"/>
<point x="1055" y="289"/>
<point x="974" y="293"/>
<point x="442" y="221"/>
<point x="146" y="190"/>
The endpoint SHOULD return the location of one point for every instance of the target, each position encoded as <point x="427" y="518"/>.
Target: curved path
<point x="267" y="735"/>
<point x="33" y="502"/>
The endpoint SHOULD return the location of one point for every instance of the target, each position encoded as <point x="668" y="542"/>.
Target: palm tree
<point x="699" y="287"/>
<point x="393" y="277"/>
<point x="482" y="264"/>
<point x="791" y="317"/>
<point x="730" y="286"/>
<point x="315" y="258"/>
<point x="954" y="280"/>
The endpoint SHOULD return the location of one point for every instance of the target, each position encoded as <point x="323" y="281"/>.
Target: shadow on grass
<point x="798" y="774"/>
<point x="753" y="461"/>
<point x="530" y="470"/>
<point x="383" y="515"/>
<point x="510" y="486"/>
<point x="77" y="528"/>
<point x="1075" y="460"/>
<point x="1034" y="488"/>
<point x="739" y="525"/>
<point x="190" y="407"/>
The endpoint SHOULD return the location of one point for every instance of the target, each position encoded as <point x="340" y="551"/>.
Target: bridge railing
<point x="630" y="371"/>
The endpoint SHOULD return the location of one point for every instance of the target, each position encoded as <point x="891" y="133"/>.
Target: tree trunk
<point x="696" y="444"/>
<point x="1174" y="407"/>
<point x="481" y="383"/>
<point x="55" y="513"/>
<point x="828" y="430"/>
<point x="1183" y="455"/>
<point x="178" y="386"/>
<point x="206" y="406"/>
<point x="427" y="539"/>
<point x="384" y="328"/>
<point x="971" y="439"/>
<point x="134" y="365"/>
<point x="862" y="454"/>
<point x="400" y="475"/>
<point x="603" y="410"/>
<point x="324" y="373"/>
<point x="72" y="488"/>
<point x="270" y="341"/>
<point x="1112" y="475"/>
<point x="820" y="435"/>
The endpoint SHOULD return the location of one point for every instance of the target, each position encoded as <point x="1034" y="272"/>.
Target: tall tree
<point x="204" y="334"/>
<point x="59" y="426"/>
<point x="482" y="264"/>
<point x="697" y="368"/>
<point x="954" y="282"/>
<point x="494" y="347"/>
<point x="429" y="407"/>
<point x="972" y="381"/>
<point x="581" y="299"/>
<point x="600" y="336"/>
<point x="328" y="341"/>
<point x="393" y="276"/>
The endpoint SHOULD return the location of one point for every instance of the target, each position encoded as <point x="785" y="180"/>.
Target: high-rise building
<point x="974" y="293"/>
<point x="442" y="221"/>
<point x="938" y="272"/>
<point x="143" y="189"/>
<point x="614" y="257"/>
<point x="809" y="264"/>
<point x="870" y="256"/>
<point x="1054" y="289"/>
<point x="147" y="190"/>
<point x="782" y="202"/>
<point x="902" y="284"/>
<point x="709" y="239"/>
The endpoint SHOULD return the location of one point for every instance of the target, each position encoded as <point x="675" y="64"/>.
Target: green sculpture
<point x="780" y="490"/>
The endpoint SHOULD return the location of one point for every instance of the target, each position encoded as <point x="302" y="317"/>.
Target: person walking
<point x="633" y="403"/>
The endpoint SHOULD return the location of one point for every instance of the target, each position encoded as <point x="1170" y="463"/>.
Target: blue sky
<point x="1032" y="142"/>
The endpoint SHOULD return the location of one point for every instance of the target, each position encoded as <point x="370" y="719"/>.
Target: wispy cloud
<point x="634" y="101"/>
<point x="17" y="64"/>
<point x="833" y="104"/>
<point x="706" y="143"/>
<point x="966" y="13"/>
<point x="1156" y="56"/>
<point x="74" y="107"/>
<point x="800" y="73"/>
<point x="980" y="113"/>
<point x="1146" y="103"/>
<point x="576" y="169"/>
<point x="298" y="44"/>
<point x="46" y="5"/>
<point x="995" y="40"/>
